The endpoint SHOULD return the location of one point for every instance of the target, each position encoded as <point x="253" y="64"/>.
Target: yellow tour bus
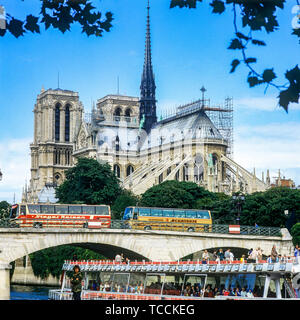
<point x="191" y="220"/>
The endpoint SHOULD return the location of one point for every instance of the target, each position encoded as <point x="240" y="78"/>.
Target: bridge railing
<point x="160" y="225"/>
<point x="193" y="227"/>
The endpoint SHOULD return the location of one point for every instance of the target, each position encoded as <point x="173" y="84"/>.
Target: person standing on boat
<point x="274" y="254"/>
<point x="76" y="280"/>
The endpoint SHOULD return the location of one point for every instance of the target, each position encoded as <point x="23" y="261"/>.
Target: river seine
<point x="29" y="292"/>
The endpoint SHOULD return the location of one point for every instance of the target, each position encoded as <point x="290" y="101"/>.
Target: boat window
<point x="75" y="209"/>
<point x="156" y="212"/>
<point x="154" y="283"/>
<point x="136" y="283"/>
<point x="34" y="208"/>
<point x="179" y="213"/>
<point x="193" y="283"/>
<point x="102" y="210"/>
<point x="168" y="213"/>
<point x="120" y="282"/>
<point x="47" y="209"/>
<point x="61" y="209"/>
<point x="88" y="209"/>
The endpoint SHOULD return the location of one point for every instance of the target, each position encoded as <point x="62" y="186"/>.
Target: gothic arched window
<point x="57" y="121"/>
<point x="67" y="123"/>
<point x="129" y="170"/>
<point x="117" y="170"/>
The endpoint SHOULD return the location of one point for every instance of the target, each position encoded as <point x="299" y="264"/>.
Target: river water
<point x="18" y="292"/>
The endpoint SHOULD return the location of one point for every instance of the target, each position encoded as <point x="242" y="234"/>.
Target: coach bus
<point x="60" y="215"/>
<point x="167" y="218"/>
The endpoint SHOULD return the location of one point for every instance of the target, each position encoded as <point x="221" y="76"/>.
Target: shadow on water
<point x="19" y="292"/>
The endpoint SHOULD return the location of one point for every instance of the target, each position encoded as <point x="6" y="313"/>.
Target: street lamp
<point x="240" y="199"/>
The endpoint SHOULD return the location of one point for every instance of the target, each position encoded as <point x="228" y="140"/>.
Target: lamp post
<point x="239" y="203"/>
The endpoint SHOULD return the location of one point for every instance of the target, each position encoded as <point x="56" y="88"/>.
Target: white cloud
<point x="262" y="103"/>
<point x="272" y="146"/>
<point x="15" y="166"/>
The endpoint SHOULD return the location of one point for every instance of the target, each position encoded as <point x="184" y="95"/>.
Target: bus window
<point x="127" y="213"/>
<point x="144" y="211"/>
<point x="156" y="212"/>
<point x="47" y="209"/>
<point x="179" y="213"/>
<point x="88" y="210"/>
<point x="203" y="215"/>
<point x="191" y="214"/>
<point x="22" y="210"/>
<point x="34" y="208"/>
<point x="102" y="210"/>
<point x="61" y="209"/>
<point x="14" y="212"/>
<point x="168" y="213"/>
<point x="75" y="209"/>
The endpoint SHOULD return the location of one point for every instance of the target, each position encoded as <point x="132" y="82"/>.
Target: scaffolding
<point x="222" y="118"/>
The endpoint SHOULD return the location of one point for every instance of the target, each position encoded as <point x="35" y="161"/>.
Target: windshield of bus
<point x="128" y="213"/>
<point x="13" y="211"/>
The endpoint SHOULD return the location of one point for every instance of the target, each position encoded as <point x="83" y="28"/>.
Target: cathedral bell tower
<point x="147" y="97"/>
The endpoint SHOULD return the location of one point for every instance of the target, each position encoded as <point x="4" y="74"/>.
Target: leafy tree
<point x="124" y="200"/>
<point x="49" y="261"/>
<point x="253" y="16"/>
<point x="60" y="14"/>
<point x="267" y="208"/>
<point x="4" y="210"/>
<point x="89" y="182"/>
<point x="295" y="232"/>
<point x="175" y="194"/>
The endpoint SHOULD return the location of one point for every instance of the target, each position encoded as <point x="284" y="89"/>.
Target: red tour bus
<point x="61" y="215"/>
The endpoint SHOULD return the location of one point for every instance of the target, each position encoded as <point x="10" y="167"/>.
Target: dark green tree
<point x="124" y="200"/>
<point x="175" y="194"/>
<point x="89" y="182"/>
<point x="295" y="232"/>
<point x="60" y="14"/>
<point x="49" y="261"/>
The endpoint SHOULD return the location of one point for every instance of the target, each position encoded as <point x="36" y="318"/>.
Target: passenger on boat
<point x="76" y="280"/>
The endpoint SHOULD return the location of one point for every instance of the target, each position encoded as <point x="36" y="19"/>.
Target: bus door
<point x="198" y="281"/>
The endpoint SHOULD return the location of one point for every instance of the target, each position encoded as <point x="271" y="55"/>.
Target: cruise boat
<point x="182" y="280"/>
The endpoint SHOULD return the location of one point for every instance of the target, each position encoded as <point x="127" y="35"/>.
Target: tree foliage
<point x="124" y="200"/>
<point x="295" y="232"/>
<point x="252" y="17"/>
<point x="61" y="14"/>
<point x="49" y="261"/>
<point x="89" y="182"/>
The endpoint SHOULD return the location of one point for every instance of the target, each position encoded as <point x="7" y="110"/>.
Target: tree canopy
<point x="89" y="182"/>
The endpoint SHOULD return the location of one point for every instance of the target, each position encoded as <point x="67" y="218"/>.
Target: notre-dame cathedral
<point x="193" y="144"/>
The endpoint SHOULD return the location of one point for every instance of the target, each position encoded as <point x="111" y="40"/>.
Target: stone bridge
<point x="135" y="244"/>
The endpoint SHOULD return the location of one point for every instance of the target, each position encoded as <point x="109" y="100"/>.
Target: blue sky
<point x="189" y="50"/>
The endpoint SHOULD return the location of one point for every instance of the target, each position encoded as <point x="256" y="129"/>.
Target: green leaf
<point x="236" y="44"/>
<point x="269" y="75"/>
<point x="15" y="26"/>
<point x="32" y="24"/>
<point x="258" y="42"/>
<point x="234" y="64"/>
<point x="242" y="36"/>
<point x="251" y="60"/>
<point x="218" y="6"/>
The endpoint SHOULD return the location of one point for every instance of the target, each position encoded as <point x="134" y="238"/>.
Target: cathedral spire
<point x="147" y="98"/>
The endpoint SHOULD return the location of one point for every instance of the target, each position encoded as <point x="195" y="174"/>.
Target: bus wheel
<point x="147" y="228"/>
<point x="37" y="225"/>
<point x="190" y="229"/>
